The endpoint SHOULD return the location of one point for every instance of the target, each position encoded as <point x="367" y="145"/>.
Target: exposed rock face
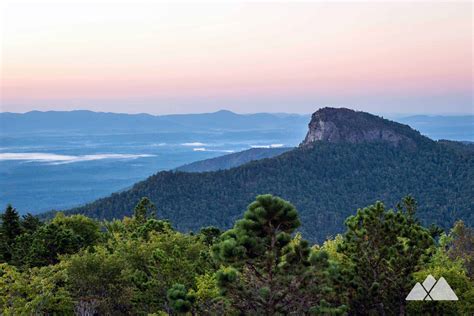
<point x="345" y="125"/>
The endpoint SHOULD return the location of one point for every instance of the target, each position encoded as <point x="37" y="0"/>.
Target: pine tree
<point x="180" y="299"/>
<point x="30" y="223"/>
<point x="9" y="230"/>
<point x="266" y="270"/>
<point x="209" y="234"/>
<point x="143" y="210"/>
<point x="384" y="248"/>
<point x="461" y="246"/>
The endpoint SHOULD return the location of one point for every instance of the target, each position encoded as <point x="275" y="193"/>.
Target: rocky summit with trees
<point x="348" y="160"/>
<point x="263" y="265"/>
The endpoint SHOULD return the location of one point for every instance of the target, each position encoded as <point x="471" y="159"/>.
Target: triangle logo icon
<point x="429" y="282"/>
<point x="417" y="293"/>
<point x="443" y="292"/>
<point x="432" y="290"/>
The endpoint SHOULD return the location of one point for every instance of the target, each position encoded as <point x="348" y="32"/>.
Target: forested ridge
<point x="140" y="265"/>
<point x="303" y="233"/>
<point x="325" y="181"/>
<point x="232" y="160"/>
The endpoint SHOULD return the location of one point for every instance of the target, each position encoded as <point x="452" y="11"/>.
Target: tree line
<point x="326" y="183"/>
<point x="263" y="265"/>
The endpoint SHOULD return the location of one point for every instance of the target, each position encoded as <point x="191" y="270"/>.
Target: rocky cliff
<point x="326" y="182"/>
<point x="337" y="125"/>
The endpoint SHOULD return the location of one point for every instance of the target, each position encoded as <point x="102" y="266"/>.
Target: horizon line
<point x="431" y="114"/>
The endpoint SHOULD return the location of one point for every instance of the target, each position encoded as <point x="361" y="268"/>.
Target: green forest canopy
<point x="263" y="264"/>
<point x="326" y="182"/>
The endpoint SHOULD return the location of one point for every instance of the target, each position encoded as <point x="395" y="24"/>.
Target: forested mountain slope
<point x="232" y="160"/>
<point x="326" y="178"/>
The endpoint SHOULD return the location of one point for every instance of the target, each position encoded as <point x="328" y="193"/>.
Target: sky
<point x="161" y="58"/>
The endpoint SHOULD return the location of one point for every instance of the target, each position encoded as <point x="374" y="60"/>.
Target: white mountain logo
<point x="432" y="290"/>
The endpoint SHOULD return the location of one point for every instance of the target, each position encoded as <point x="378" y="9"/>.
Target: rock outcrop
<point x="337" y="125"/>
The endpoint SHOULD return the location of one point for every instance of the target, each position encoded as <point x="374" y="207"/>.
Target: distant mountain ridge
<point x="100" y="121"/>
<point x="326" y="180"/>
<point x="232" y="160"/>
<point x="455" y="127"/>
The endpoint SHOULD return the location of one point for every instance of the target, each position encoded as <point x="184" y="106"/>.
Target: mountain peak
<point x="224" y="112"/>
<point x="337" y="125"/>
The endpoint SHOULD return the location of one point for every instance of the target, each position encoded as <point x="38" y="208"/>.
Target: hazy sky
<point x="278" y="57"/>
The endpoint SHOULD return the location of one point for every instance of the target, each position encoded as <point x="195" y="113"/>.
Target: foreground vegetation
<point x="261" y="266"/>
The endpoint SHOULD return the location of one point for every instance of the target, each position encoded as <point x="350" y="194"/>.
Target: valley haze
<point x="349" y="157"/>
<point x="236" y="158"/>
<point x="69" y="148"/>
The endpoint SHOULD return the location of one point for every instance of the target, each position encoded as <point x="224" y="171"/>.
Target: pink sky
<point x="180" y="58"/>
